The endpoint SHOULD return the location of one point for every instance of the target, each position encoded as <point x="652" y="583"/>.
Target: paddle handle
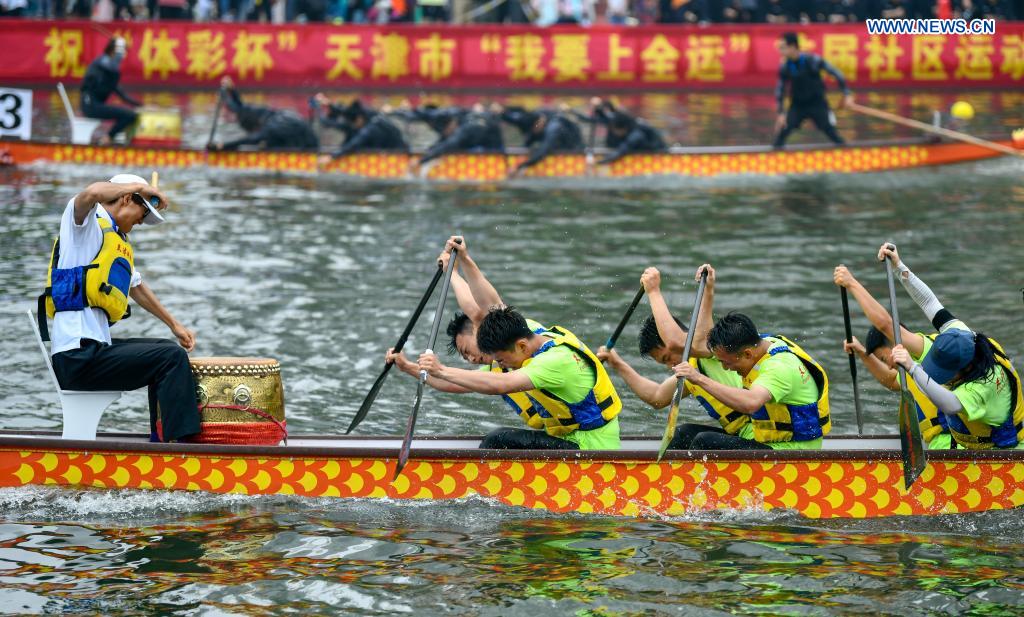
<point x="670" y="426"/>
<point x="936" y="130"/>
<point x="690" y="333"/>
<point x="436" y="326"/>
<point x="625" y="319"/>
<point x="897" y="336"/>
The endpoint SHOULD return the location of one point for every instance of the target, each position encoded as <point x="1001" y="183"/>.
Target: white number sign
<point x="15" y="113"/>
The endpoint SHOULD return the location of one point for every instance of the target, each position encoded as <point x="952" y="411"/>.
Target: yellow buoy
<point x="962" y="110"/>
<point x="1018" y="138"/>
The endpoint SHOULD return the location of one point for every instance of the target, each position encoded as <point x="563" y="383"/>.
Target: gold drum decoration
<point x="241" y="400"/>
<point x="158" y="127"/>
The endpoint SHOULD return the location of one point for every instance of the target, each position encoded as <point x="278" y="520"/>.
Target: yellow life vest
<point x="104" y="283"/>
<point x="731" y="420"/>
<point x="933" y="422"/>
<point x="776" y="422"/>
<point x="561" y="417"/>
<point x="976" y="434"/>
<point x="521" y="403"/>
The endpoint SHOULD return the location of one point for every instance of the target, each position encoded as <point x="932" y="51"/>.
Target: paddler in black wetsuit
<point x="265" y="127"/>
<point x="546" y="132"/>
<point x="806" y="92"/>
<point x="459" y="130"/>
<point x="100" y="81"/>
<point x="626" y="134"/>
<point x="365" y="129"/>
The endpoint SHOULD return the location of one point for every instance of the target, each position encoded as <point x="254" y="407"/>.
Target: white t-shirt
<point x="79" y="245"/>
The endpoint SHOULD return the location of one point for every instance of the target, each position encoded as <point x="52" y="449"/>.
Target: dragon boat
<point x="683" y="162"/>
<point x="850" y="478"/>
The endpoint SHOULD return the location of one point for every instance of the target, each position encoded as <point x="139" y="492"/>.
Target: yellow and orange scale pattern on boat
<point x="816" y="489"/>
<point x="495" y="167"/>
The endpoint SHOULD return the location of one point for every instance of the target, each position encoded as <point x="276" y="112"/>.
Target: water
<point x="322" y="273"/>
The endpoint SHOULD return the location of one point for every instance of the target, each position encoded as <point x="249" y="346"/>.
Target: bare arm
<point x="673" y="336"/>
<point x="881" y="372"/>
<point x="705" y="319"/>
<point x="485" y="295"/>
<point x="875" y="312"/>
<point x="145" y="298"/>
<point x="740" y="399"/>
<point x="102" y="192"/>
<point x="657" y="395"/>
<point x="484" y="382"/>
<point x="409" y="367"/>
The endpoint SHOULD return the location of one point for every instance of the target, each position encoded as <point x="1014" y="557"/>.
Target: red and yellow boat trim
<point x="495" y="167"/>
<point x="825" y="484"/>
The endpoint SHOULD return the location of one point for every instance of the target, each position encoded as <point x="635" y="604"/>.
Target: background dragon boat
<point x="692" y="162"/>
<point x="850" y="478"/>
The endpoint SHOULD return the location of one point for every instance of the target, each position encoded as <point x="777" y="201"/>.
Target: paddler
<point x="802" y="73"/>
<point x="265" y="127"/>
<point x="876" y="354"/>
<point x="365" y="129"/>
<point x="626" y="134"/>
<point x="475" y="296"/>
<point x="965" y="374"/>
<point x="458" y="130"/>
<point x="102" y="79"/>
<point x="784" y="390"/>
<point x="663" y="338"/>
<point x="565" y="381"/>
<point x="93" y="253"/>
<point x="546" y="132"/>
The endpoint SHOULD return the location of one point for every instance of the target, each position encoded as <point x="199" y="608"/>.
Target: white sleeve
<point x="945" y="400"/>
<point x="80" y="233"/>
<point x="921" y="293"/>
<point x="136" y="278"/>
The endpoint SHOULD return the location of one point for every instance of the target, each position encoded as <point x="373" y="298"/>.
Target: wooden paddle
<point x="911" y="443"/>
<point x="670" y="428"/>
<point x="935" y="130"/>
<point x="216" y="117"/>
<point x="403" y="454"/>
<point x="625" y="319"/>
<point x="853" y="364"/>
<point x="372" y="394"/>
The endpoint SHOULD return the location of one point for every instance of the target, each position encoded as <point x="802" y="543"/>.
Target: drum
<point x="241" y="401"/>
<point x="158" y="127"/>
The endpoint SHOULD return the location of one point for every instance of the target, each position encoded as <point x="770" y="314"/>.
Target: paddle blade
<point x="370" y="397"/>
<point x="912" y="445"/>
<point x="670" y="429"/>
<point x="403" y="453"/>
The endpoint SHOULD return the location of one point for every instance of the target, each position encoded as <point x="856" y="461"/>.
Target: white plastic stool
<point x="82" y="410"/>
<point x="81" y="128"/>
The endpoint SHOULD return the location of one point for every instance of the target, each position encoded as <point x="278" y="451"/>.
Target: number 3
<point x="10" y="111"/>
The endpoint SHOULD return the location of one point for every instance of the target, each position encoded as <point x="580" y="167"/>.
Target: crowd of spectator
<point x="539" y="12"/>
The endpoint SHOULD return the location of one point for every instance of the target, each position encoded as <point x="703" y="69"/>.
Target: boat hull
<point x="822" y="484"/>
<point x="495" y="167"/>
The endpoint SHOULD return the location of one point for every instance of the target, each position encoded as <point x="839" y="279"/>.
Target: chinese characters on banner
<point x="506" y="57"/>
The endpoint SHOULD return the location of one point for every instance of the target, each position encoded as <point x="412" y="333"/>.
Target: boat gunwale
<point x="109" y="443"/>
<point x="737" y="149"/>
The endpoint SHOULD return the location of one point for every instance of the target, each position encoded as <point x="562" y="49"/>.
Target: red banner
<point x="488" y="57"/>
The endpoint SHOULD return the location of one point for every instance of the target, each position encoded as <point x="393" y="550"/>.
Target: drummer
<point x="565" y="382"/>
<point x="94" y="232"/>
<point x="102" y="79"/>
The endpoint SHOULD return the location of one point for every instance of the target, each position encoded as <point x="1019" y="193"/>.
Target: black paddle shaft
<point x="625" y="319"/>
<point x="364" y="408"/>
<point x="853" y="363"/>
<point x="403" y="453"/>
<point x="216" y="117"/>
